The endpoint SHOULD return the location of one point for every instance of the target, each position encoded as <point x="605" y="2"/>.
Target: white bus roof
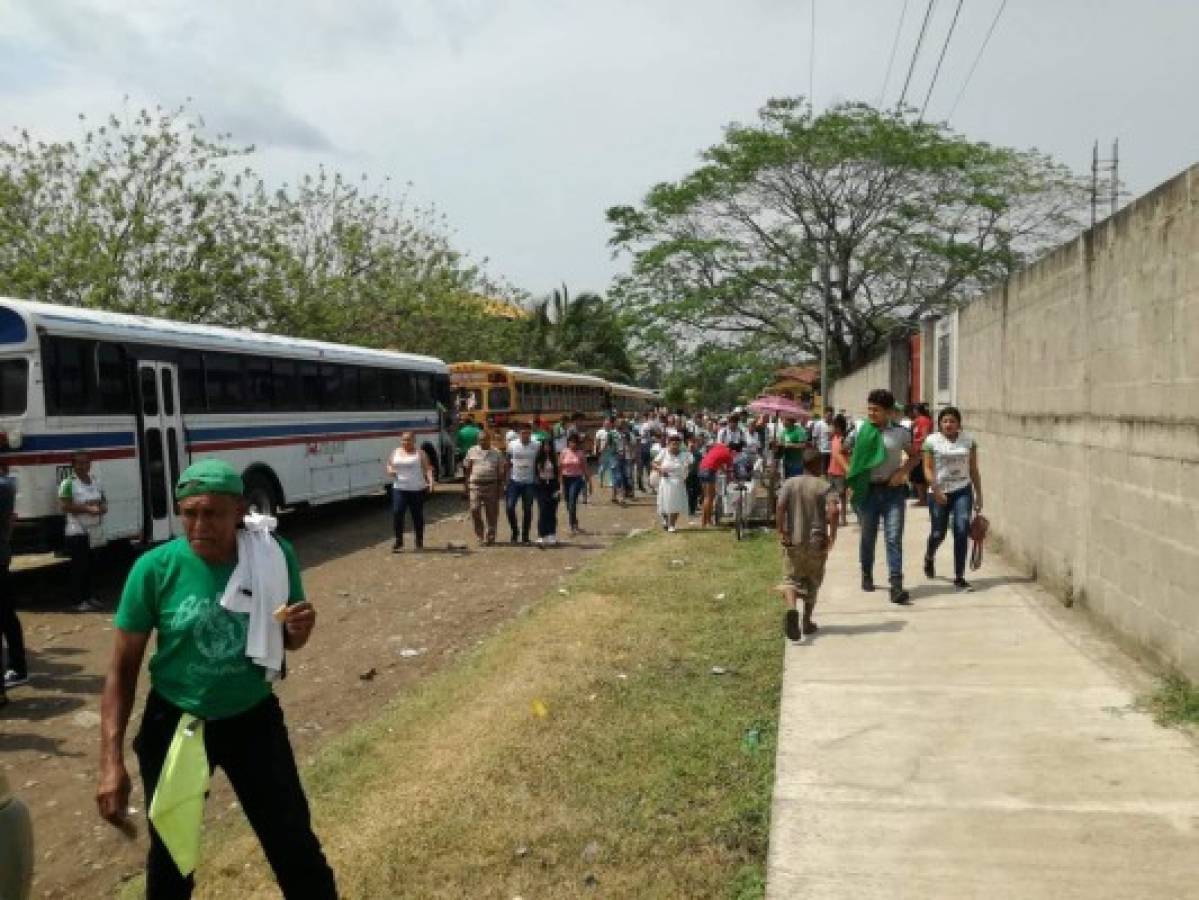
<point x="633" y="391"/>
<point x="93" y="323"/>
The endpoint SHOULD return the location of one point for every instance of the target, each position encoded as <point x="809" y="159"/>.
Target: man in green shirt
<point x="200" y="667"/>
<point x="467" y="437"/>
<point x="794" y="439"/>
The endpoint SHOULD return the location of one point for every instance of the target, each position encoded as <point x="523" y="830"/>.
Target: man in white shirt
<point x="822" y="434"/>
<point x="522" y="482"/>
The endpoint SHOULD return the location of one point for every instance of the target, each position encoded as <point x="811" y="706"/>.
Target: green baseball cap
<point x="209" y="476"/>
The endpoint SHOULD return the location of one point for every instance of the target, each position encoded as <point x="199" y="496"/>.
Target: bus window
<point x="168" y="394"/>
<point x="14" y="379"/>
<point x="224" y="382"/>
<point x="331" y="385"/>
<point x="424" y="389"/>
<point x="284" y="388"/>
<point x="310" y="385"/>
<point x="469" y="400"/>
<point x="149" y="392"/>
<point x="349" y="388"/>
<point x="403" y="388"/>
<point x="370" y="388"/>
<point x="112" y="380"/>
<point x="499" y="399"/>
<point x="258" y="383"/>
<point x="66" y="363"/>
<point x="191" y="382"/>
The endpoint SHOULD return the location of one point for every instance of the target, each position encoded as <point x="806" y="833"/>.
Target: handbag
<point x="978" y="535"/>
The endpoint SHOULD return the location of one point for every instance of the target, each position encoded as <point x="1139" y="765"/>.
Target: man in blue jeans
<point x="884" y="500"/>
<point x="522" y="482"/>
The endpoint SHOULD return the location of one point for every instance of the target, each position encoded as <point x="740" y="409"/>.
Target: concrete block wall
<point x="1080" y="378"/>
<point x="891" y="369"/>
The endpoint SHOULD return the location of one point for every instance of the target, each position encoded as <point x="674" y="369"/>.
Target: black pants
<point x="414" y="502"/>
<point x="547" y="508"/>
<point x="80" y="551"/>
<point x="253" y="750"/>
<point x="693" y="492"/>
<point x="10" y="627"/>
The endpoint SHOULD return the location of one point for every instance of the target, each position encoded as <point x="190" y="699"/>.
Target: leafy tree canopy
<point x="150" y="216"/>
<point x="904" y="218"/>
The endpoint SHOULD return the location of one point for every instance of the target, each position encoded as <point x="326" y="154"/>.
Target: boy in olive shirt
<point x="806" y="517"/>
<point x="200" y="667"/>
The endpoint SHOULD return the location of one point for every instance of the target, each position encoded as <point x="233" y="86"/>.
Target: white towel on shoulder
<point x="259" y="585"/>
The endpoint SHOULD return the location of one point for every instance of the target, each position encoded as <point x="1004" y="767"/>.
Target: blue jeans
<point x="882" y="504"/>
<point x="574" y="489"/>
<point x="960" y="503"/>
<point x="525" y="494"/>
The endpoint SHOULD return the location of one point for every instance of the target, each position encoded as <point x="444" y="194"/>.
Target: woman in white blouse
<point x="412" y="475"/>
<point x="951" y="470"/>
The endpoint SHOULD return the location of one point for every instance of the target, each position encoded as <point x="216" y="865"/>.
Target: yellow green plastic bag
<point x="177" y="809"/>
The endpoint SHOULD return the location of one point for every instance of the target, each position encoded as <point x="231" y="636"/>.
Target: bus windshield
<point x="498" y="398"/>
<point x="14" y="381"/>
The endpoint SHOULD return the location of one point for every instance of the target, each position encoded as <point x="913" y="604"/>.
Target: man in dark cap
<point x="201" y="673"/>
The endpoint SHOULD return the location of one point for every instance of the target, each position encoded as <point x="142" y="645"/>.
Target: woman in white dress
<point x="671" y="464"/>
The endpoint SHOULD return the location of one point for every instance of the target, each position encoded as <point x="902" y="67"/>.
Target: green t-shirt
<point x="794" y="435"/>
<point x="199" y="662"/>
<point x="541" y="435"/>
<point x="468" y="436"/>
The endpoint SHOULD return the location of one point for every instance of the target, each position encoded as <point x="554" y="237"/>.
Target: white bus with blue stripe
<point x="306" y="422"/>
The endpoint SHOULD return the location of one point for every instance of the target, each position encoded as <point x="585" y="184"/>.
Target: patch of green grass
<point x="640" y="779"/>
<point x="1175" y="702"/>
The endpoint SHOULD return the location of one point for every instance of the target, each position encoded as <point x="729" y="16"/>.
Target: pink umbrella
<point x="783" y="406"/>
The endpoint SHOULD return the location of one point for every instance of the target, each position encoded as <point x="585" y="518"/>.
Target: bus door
<point x="160" y="446"/>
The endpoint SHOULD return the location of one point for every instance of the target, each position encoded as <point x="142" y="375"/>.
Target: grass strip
<point x="1175" y="702"/>
<point x="617" y="740"/>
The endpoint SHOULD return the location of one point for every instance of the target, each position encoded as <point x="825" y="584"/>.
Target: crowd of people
<point x="211" y="702"/>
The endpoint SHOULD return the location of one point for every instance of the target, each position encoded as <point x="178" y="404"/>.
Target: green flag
<point x="868" y="452"/>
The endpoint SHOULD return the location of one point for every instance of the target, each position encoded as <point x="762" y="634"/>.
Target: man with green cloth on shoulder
<point x="877" y="478"/>
<point x="201" y="671"/>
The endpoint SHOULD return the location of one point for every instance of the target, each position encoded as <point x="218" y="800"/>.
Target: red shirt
<point x="719" y="457"/>
<point x="920" y="430"/>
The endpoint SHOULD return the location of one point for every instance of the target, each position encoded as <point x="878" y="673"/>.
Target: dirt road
<point x="386" y="621"/>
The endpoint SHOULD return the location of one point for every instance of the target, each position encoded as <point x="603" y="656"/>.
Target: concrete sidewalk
<point x="978" y="745"/>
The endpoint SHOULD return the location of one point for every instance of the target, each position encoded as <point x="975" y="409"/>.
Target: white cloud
<point x="524" y="119"/>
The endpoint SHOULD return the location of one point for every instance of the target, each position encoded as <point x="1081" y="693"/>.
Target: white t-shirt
<point x="76" y="491"/>
<point x="524" y="461"/>
<point x="951" y="460"/>
<point x="822" y="431"/>
<point x="409" y="469"/>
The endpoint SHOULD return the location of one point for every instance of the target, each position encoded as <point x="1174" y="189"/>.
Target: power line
<point x="974" y="65"/>
<point x="928" y="11"/>
<point x="940" y="59"/>
<point x="894" y="46"/>
<point x="812" y="64"/>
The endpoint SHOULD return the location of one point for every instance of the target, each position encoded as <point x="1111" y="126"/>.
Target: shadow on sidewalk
<point x="866" y="628"/>
<point x="943" y="586"/>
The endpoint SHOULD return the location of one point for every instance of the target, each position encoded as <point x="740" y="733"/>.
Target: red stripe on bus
<point x="64" y="456"/>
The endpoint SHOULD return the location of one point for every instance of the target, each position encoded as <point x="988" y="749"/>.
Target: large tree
<point x="149" y="215"/>
<point x="910" y="218"/>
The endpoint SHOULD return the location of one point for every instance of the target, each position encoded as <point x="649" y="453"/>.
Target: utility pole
<point x="828" y="289"/>
<point x="1110" y="167"/>
<point x="1115" y="174"/>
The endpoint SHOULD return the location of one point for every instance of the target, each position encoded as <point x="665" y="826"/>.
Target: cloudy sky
<point x="523" y="120"/>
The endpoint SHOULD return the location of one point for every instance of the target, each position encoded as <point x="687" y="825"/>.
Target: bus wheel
<point x="261" y="494"/>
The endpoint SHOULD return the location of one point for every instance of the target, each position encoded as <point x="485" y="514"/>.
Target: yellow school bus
<point x="505" y="396"/>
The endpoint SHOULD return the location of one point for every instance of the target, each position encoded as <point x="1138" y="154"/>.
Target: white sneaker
<point x="12" y="679"/>
<point x="672" y="529"/>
